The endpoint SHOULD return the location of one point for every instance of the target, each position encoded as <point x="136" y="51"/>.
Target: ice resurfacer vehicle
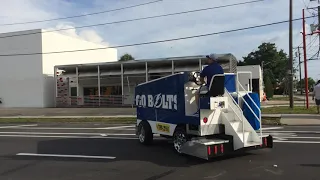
<point x="229" y="119"/>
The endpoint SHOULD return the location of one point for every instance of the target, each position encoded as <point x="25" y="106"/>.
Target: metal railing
<point x="95" y="101"/>
<point x="235" y="112"/>
<point x="259" y="118"/>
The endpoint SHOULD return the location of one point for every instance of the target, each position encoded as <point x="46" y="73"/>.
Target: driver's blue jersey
<point x="211" y="70"/>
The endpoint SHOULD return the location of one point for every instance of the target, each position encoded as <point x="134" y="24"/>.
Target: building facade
<point x="27" y="65"/>
<point x="113" y="84"/>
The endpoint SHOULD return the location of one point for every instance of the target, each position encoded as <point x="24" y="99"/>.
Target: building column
<point x="99" y="93"/>
<point x="55" y="87"/>
<point x="172" y="66"/>
<point x="77" y="76"/>
<point x="122" y="71"/>
<point x="147" y="74"/>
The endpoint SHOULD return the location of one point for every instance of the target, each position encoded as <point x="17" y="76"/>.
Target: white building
<point x="28" y="80"/>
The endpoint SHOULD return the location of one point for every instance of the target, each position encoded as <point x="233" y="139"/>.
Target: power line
<point x="137" y="19"/>
<point x="82" y="15"/>
<point x="160" y="41"/>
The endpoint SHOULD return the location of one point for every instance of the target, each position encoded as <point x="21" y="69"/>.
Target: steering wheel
<point x="195" y="77"/>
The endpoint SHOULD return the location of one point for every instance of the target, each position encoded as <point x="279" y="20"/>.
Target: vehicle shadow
<point x="160" y="153"/>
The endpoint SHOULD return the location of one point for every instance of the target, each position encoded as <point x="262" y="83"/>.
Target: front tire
<point x="145" y="135"/>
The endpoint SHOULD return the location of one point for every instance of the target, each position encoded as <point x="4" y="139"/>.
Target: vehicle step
<point x="207" y="142"/>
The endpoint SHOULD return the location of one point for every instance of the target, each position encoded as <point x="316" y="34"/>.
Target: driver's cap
<point x="212" y="56"/>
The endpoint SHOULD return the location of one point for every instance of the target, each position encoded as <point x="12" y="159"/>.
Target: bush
<point x="269" y="88"/>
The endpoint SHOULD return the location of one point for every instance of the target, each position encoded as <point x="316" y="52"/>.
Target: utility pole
<point x="290" y="71"/>
<point x="305" y="58"/>
<point x="319" y="25"/>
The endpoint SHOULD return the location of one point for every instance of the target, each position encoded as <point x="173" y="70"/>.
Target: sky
<point x="238" y="43"/>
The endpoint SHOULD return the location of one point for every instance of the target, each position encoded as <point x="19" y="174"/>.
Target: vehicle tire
<point x="179" y="138"/>
<point x="145" y="135"/>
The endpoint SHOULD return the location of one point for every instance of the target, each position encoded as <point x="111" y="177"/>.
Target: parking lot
<point x="98" y="151"/>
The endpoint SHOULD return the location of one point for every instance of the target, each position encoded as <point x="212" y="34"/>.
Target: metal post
<point x="319" y="25"/>
<point x="200" y="65"/>
<point x="300" y="81"/>
<point x="99" y="93"/>
<point x="55" y="87"/>
<point x="172" y="66"/>
<point x="305" y="59"/>
<point x="147" y="74"/>
<point x="290" y="57"/>
<point x="122" y="80"/>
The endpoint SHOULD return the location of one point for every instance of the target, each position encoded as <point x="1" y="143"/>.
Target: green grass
<point x="285" y="99"/>
<point x="124" y="120"/>
<point x="287" y="110"/>
<point x="271" y="121"/>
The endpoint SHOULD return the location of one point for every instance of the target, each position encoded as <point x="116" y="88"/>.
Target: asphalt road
<point x="97" y="151"/>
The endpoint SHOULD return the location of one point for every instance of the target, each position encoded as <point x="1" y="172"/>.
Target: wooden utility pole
<point x="290" y="71"/>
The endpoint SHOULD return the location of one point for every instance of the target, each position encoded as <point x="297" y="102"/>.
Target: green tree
<point x="269" y="88"/>
<point x="274" y="62"/>
<point x="126" y="57"/>
<point x="311" y="83"/>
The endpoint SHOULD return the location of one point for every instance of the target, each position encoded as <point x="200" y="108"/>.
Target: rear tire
<point x="145" y="135"/>
<point x="179" y="138"/>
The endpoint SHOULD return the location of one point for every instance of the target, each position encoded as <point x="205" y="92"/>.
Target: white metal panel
<point x="21" y="80"/>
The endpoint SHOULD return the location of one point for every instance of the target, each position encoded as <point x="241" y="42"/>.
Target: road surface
<point x="97" y="151"/>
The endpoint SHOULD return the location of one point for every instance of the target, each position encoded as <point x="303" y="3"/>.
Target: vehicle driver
<point x="208" y="72"/>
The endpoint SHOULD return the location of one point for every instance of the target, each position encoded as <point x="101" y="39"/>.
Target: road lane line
<point x="298" y="142"/>
<point x="115" y="127"/>
<point x="52" y="133"/>
<point x="73" y="137"/>
<point x="17" y="126"/>
<point x="68" y="156"/>
<point x="271" y="128"/>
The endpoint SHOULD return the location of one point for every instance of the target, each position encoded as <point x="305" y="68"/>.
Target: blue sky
<point x="238" y="43"/>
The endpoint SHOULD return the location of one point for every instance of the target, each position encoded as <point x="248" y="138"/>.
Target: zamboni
<point x="166" y="106"/>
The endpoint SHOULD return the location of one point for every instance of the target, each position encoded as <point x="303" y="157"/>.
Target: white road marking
<point x="298" y="142"/>
<point x="52" y="133"/>
<point x="315" y="132"/>
<point x="76" y="137"/>
<point x="63" y="155"/>
<point x="17" y="126"/>
<point x="301" y="137"/>
<point x="116" y="127"/>
<point x="74" y="128"/>
<point x="270" y="128"/>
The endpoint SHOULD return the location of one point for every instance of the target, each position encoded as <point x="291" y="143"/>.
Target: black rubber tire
<point x="148" y="135"/>
<point x="179" y="131"/>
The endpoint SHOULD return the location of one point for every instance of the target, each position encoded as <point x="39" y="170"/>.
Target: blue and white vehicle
<point x="229" y="119"/>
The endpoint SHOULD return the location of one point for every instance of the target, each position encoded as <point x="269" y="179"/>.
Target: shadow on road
<point x="160" y="153"/>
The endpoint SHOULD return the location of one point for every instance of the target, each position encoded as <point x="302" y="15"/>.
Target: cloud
<point x="86" y="34"/>
<point x="239" y="43"/>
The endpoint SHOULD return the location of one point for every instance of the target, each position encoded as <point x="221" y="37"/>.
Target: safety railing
<point x="259" y="118"/>
<point x="95" y="101"/>
<point x="236" y="112"/>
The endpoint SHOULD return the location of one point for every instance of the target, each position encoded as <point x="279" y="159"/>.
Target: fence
<point x="95" y="101"/>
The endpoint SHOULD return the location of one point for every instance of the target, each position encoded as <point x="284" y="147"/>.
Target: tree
<point x="275" y="63"/>
<point x="311" y="83"/>
<point x="126" y="57"/>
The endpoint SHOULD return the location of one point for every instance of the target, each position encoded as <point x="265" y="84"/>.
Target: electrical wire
<point x="137" y="19"/>
<point x="155" y="42"/>
<point x="82" y="15"/>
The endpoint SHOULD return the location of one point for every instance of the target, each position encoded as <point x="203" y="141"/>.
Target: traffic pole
<point x="305" y="59"/>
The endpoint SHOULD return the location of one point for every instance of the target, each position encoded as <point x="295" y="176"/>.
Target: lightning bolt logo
<point x="157" y="102"/>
